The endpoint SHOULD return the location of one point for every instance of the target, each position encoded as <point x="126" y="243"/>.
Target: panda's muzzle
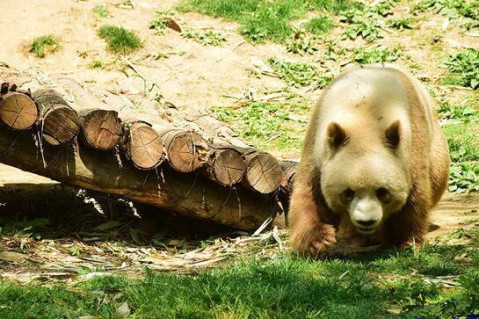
<point x="366" y="214"/>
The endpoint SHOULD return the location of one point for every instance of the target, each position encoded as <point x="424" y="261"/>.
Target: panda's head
<point x="364" y="177"/>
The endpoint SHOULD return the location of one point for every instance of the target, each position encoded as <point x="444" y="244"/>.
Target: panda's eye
<point x="384" y="195"/>
<point x="347" y="196"/>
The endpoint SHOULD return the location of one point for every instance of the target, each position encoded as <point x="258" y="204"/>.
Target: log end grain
<point x="102" y="129"/>
<point x="144" y="146"/>
<point x="227" y="167"/>
<point x="263" y="172"/>
<point x="18" y="111"/>
<point x="187" y="151"/>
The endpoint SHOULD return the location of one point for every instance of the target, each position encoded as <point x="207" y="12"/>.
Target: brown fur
<point x="314" y="224"/>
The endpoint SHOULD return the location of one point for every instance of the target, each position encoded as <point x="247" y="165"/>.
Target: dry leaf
<point x="122" y="312"/>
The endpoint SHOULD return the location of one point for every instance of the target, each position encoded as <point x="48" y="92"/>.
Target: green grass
<point x="362" y="26"/>
<point x="160" y="22"/>
<point x="401" y="23"/>
<point x="465" y="67"/>
<point x="451" y="8"/>
<point x="376" y="55"/>
<point x="299" y="74"/>
<point x="368" y="286"/>
<point x="464" y="149"/>
<point x="465" y="112"/>
<point x="102" y="11"/>
<point x="43" y="45"/>
<point x="302" y="43"/>
<point x="263" y="20"/>
<point x="97" y="64"/>
<point x="270" y="125"/>
<point x="319" y="25"/>
<point x="119" y="39"/>
<point x="209" y="37"/>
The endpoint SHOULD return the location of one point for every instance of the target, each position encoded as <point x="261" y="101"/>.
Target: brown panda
<point x="374" y="163"/>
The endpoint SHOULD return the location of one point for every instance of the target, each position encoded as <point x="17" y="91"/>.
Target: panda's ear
<point x="337" y="136"/>
<point x="392" y="135"/>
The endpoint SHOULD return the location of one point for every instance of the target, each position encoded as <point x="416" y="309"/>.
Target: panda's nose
<point x="366" y="223"/>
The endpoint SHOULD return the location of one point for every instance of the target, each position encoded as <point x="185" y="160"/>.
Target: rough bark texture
<point x="208" y="172"/>
<point x="289" y="171"/>
<point x="59" y="122"/>
<point x="192" y="196"/>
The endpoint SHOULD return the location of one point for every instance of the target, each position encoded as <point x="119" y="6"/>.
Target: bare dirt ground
<point x="190" y="76"/>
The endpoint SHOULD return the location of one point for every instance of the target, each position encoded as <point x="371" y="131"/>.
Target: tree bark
<point x="188" y="194"/>
<point x="59" y="123"/>
<point x="205" y="159"/>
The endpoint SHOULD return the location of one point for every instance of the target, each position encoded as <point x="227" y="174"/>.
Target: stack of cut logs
<point x="153" y="163"/>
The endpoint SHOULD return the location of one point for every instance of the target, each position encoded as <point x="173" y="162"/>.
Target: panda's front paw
<point x="417" y="244"/>
<point x="315" y="240"/>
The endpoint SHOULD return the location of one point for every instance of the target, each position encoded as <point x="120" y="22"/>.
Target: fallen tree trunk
<point x="206" y="161"/>
<point x="187" y="194"/>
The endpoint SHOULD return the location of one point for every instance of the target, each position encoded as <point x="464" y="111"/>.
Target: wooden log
<point x="18" y="111"/>
<point x="263" y="173"/>
<point x="99" y="171"/>
<point x="143" y="146"/>
<point x="101" y="129"/>
<point x="186" y="151"/>
<point x="288" y="169"/>
<point x="59" y="123"/>
<point x="226" y="165"/>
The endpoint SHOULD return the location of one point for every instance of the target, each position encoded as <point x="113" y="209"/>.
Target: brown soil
<point x="191" y="76"/>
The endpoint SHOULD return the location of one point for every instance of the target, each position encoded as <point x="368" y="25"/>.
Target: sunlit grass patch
<point x="376" y="55"/>
<point x="263" y="20"/>
<point x="319" y="25"/>
<point x="209" y="37"/>
<point x="102" y="11"/>
<point x="465" y="67"/>
<point x="464" y="149"/>
<point x="119" y="39"/>
<point x="299" y="74"/>
<point x="401" y="23"/>
<point x="43" y="45"/>
<point x="269" y="125"/>
<point x="434" y="281"/>
<point x="161" y="21"/>
<point x="97" y="64"/>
